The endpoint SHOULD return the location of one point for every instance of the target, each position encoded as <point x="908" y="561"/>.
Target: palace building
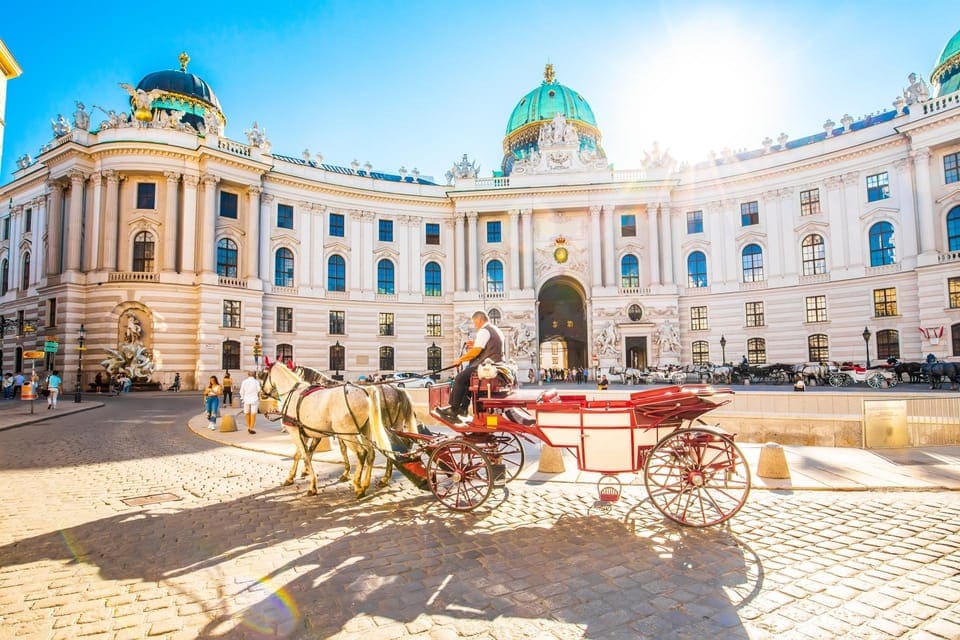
<point x="178" y="249"/>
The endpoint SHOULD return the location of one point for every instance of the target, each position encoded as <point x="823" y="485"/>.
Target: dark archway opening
<point x="563" y="325"/>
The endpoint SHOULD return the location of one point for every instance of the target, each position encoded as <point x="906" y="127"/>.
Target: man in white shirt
<point x="250" y="398"/>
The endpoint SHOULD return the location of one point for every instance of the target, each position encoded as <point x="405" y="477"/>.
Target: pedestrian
<point x="53" y="389"/>
<point x="212" y="400"/>
<point x="603" y="383"/>
<point x="227" y="389"/>
<point x="176" y="383"/>
<point x="250" y="399"/>
<point x="8" y="386"/>
<point x="17" y="384"/>
<point x="488" y="344"/>
<point x="98" y="382"/>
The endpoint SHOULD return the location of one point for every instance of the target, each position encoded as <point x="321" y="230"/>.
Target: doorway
<point x="563" y="325"/>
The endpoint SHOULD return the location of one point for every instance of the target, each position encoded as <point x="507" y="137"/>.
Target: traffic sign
<point x="32" y="355"/>
<point x="50" y="346"/>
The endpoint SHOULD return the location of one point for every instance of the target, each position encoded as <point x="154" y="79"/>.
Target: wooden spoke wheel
<point x="697" y="477"/>
<point x="506" y="449"/>
<point x="459" y="475"/>
<point x="838" y="379"/>
<point x="875" y="380"/>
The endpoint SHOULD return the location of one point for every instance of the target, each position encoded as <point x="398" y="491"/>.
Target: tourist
<point x="53" y="389"/>
<point x="212" y="400"/>
<point x="250" y="400"/>
<point x="227" y="389"/>
<point x="8" y="386"/>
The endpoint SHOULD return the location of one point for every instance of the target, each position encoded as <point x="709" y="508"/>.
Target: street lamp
<point x="76" y="397"/>
<point x="723" y="349"/>
<point x="866" y="343"/>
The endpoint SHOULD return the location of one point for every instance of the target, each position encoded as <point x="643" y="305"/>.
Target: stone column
<point x="840" y="225"/>
<point x="303" y="225"/>
<point x="14" y="256"/>
<point x="921" y="167"/>
<point x="450" y="258"/>
<point x="402" y="237"/>
<point x="355" y="240"/>
<point x="54" y="228"/>
<point x="251" y="261"/>
<point x="473" y="260"/>
<point x="39" y="253"/>
<point x="529" y="247"/>
<point x="74" y="226"/>
<point x="208" y="226"/>
<point x="668" y="215"/>
<point x="596" y="253"/>
<point x="907" y="247"/>
<point x="789" y="264"/>
<point x="414" y="250"/>
<point x="513" y="218"/>
<point x="609" y="258"/>
<point x="770" y="218"/>
<point x="460" y="257"/>
<point x="94" y="227"/>
<point x="834" y="211"/>
<point x="111" y="217"/>
<point x="263" y="243"/>
<point x="728" y="258"/>
<point x="367" y="266"/>
<point x="653" y="243"/>
<point x="189" y="225"/>
<point x="171" y="219"/>
<point x="317" y="241"/>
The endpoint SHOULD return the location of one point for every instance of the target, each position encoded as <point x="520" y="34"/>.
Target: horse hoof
<point x="287" y="483"/>
<point x="343" y="478"/>
<point x="311" y="492"/>
<point x="383" y="482"/>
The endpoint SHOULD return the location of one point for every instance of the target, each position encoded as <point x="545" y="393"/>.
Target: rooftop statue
<point x="917" y="91"/>
<point x="256" y="136"/>
<point x="60" y="126"/>
<point x="210" y="123"/>
<point x="462" y="169"/>
<point x="141" y="101"/>
<point x="81" y="119"/>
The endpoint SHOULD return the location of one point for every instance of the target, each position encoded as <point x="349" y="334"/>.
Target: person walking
<point x="8" y="386"/>
<point x="18" y="384"/>
<point x="176" y="383"/>
<point x="227" y="389"/>
<point x="212" y="399"/>
<point x="250" y="400"/>
<point x="487" y="344"/>
<point x="53" y="389"/>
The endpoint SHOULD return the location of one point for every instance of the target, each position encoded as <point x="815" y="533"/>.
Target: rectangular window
<point x="231" y="314"/>
<point x="885" y="302"/>
<point x="878" y="187"/>
<point x="698" y="319"/>
<point x="284" y="320"/>
<point x="433" y="233"/>
<point x="749" y="213"/>
<point x="951" y="167"/>
<point x="52" y="312"/>
<point x="433" y="325"/>
<point x="284" y="216"/>
<point x="28" y="220"/>
<point x="628" y="225"/>
<point x="146" y="195"/>
<point x="336" y="225"/>
<point x="228" y="205"/>
<point x="816" y="308"/>
<point x="810" y="202"/>
<point x="694" y="221"/>
<point x="953" y="292"/>
<point x="386" y="324"/>
<point x="338" y="323"/>
<point x="754" y="314"/>
<point x="385" y="230"/>
<point x="5" y="229"/>
<point x="493" y="232"/>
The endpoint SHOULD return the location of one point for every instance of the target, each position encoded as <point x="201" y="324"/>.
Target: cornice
<point x="340" y="191"/>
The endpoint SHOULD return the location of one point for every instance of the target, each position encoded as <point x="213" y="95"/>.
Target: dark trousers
<point x="459" y="400"/>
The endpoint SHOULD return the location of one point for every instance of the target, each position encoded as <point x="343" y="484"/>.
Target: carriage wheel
<point x="838" y="379"/>
<point x="459" y="475"/>
<point x="779" y="376"/>
<point x="506" y="449"/>
<point x="875" y="381"/>
<point x="697" y="477"/>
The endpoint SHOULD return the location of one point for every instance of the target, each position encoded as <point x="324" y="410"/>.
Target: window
<point x="816" y="308"/>
<point x="336" y="225"/>
<point x="694" y="221"/>
<point x="818" y="348"/>
<point x="953" y="292"/>
<point x="888" y="344"/>
<point x="52" y="312"/>
<point x="434" y="358"/>
<point x="951" y="167"/>
<point x="432" y="284"/>
<point x="5" y="229"/>
<point x="338" y="323"/>
<point x="146" y="195"/>
<point x="878" y="187"/>
<point x="494" y="316"/>
<point x="814" y="255"/>
<point x="25" y="272"/>
<point x="953" y="229"/>
<point x="4" y="276"/>
<point x="284" y="352"/>
<point x="386" y="358"/>
<point x="338" y="357"/>
<point x="882" y="249"/>
<point x="285" y="216"/>
<point x="494" y="276"/>
<point x="697" y="270"/>
<point x="885" y="302"/>
<point x="28" y="220"/>
<point x="752" y="263"/>
<point x="143" y="252"/>
<point x="754" y="312"/>
<point x="628" y="225"/>
<point x="230" y="355"/>
<point x="336" y="273"/>
<point x="433" y="325"/>
<point x="494" y="233"/>
<point x="385" y="230"/>
<point x="749" y="213"/>
<point x="701" y="352"/>
<point x="629" y="271"/>
<point x="955" y="338"/>
<point x="810" y="202"/>
<point x="283" y="268"/>
<point x="228" y="205"/>
<point x="385" y="283"/>
<point x="284" y="320"/>
<point x="433" y="233"/>
<point x="231" y="314"/>
<point x="227" y="258"/>
<point x="757" y="351"/>
<point x="698" y="319"/>
<point x="386" y="324"/>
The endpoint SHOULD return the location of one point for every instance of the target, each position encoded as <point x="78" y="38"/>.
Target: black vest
<point x="494" y="347"/>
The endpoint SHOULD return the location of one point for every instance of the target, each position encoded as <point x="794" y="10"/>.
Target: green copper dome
<point x="546" y="101"/>
<point x="946" y="75"/>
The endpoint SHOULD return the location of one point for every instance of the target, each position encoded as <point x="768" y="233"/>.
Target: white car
<point x="409" y="380"/>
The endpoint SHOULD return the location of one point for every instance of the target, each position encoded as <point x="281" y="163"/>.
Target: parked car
<point x="408" y="379"/>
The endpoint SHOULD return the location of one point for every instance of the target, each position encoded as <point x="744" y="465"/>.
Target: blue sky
<point x="419" y="84"/>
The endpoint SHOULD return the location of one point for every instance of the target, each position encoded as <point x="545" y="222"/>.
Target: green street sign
<point x="50" y="346"/>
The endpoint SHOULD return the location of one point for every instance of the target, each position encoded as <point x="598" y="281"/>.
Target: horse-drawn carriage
<point x="850" y="375"/>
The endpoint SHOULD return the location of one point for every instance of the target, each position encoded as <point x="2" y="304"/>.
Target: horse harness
<point x="295" y="421"/>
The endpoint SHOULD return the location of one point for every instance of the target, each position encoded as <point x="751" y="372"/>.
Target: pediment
<point x="887" y="212"/>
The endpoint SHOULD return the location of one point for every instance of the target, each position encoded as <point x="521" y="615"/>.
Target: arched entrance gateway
<point x="562" y="320"/>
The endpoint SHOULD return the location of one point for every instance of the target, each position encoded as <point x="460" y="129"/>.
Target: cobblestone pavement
<point x="119" y="523"/>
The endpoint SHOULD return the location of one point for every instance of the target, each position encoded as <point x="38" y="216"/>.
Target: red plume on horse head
<point x="266" y="362"/>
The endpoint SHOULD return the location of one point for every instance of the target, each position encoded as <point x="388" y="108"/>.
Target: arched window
<point x="283" y="268"/>
<point x="701" y="352"/>
<point x="814" y="255"/>
<point x="881" y="244"/>
<point x="25" y="272"/>
<point x="336" y="273"/>
<point x="494" y="317"/>
<point x="888" y="344"/>
<point x="432" y="284"/>
<point x="386" y="358"/>
<point x="4" y="276"/>
<point x="757" y="351"/>
<point x="818" y="348"/>
<point x="143" y="252"/>
<point x="284" y="352"/>
<point x="629" y="271"/>
<point x="752" y="263"/>
<point x="230" y="355"/>
<point x="494" y="276"/>
<point x="696" y="270"/>
<point x="953" y="229"/>
<point x="227" y="258"/>
<point x="434" y="357"/>
<point x="338" y="358"/>
<point x="385" y="283"/>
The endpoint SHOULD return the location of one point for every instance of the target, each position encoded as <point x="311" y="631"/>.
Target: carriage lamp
<point x="80" y="349"/>
<point x="866" y="343"/>
<point x="723" y="348"/>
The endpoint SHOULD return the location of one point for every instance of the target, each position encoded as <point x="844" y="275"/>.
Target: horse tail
<point x="378" y="433"/>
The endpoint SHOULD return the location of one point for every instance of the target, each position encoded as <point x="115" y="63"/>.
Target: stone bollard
<point x="227" y="423"/>
<point x="551" y="460"/>
<point x="773" y="462"/>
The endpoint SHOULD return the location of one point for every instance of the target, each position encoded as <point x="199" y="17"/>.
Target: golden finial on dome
<point x="184" y="61"/>
<point x="548" y="75"/>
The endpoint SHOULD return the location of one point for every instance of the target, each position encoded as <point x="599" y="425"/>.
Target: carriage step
<point x="499" y="474"/>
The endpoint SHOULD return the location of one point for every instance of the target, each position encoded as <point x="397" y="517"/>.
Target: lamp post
<point x="866" y="343"/>
<point x="80" y="348"/>
<point x="723" y="349"/>
<point x="336" y="352"/>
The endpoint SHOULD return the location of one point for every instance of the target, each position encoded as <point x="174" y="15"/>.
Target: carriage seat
<point x="494" y="378"/>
